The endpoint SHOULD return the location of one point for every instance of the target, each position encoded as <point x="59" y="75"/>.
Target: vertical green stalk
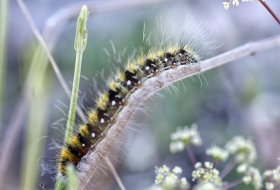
<point x="37" y="125"/>
<point x="4" y="5"/>
<point x="79" y="45"/>
<point x="73" y="180"/>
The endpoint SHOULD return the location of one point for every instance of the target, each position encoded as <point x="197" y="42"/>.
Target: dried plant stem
<point x="115" y="174"/>
<point x="248" y="49"/>
<point x="270" y="11"/>
<point x="191" y="155"/>
<point x="8" y="147"/>
<point x="228" y="168"/>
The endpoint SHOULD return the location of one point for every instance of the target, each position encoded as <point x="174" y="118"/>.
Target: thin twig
<point x="248" y="49"/>
<point x="191" y="155"/>
<point x="270" y="11"/>
<point x="227" y="168"/>
<point x="10" y="136"/>
<point x="215" y="164"/>
<point x="52" y="61"/>
<point x="115" y="174"/>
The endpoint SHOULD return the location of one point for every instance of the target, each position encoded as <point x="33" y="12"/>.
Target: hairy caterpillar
<point x="144" y="74"/>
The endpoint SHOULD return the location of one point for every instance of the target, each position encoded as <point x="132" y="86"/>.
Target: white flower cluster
<point x="206" y="174"/>
<point x="183" y="137"/>
<point x="253" y="176"/>
<point x="243" y="149"/>
<point x="168" y="180"/>
<point x="217" y="153"/>
<point x="273" y="176"/>
<point x="234" y="3"/>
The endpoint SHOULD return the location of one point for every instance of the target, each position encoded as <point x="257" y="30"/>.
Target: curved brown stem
<point x="270" y="11"/>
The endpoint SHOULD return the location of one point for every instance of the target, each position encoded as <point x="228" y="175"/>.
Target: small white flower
<point x="159" y="178"/>
<point x="196" y="141"/>
<point x="247" y="179"/>
<point x="268" y="173"/>
<point x="218" y="181"/>
<point x="197" y="165"/>
<point x="256" y="178"/>
<point x="235" y="2"/>
<point x="208" y="165"/>
<point x="207" y="177"/>
<point x="269" y="186"/>
<point x="241" y="168"/>
<point x="226" y="5"/>
<point x="196" y="174"/>
<point x="169" y="182"/>
<point x="177" y="170"/>
<point x="276" y="176"/>
<point x="215" y="172"/>
<point x="217" y="153"/>
<point x="177" y="146"/>
<point x="184" y="183"/>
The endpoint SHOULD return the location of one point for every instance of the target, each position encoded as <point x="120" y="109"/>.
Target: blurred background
<point x="242" y="97"/>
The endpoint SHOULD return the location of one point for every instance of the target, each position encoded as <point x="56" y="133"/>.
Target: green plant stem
<point x="4" y="5"/>
<point x="60" y="185"/>
<point x="73" y="183"/>
<point x="74" y="97"/>
<point x="80" y="46"/>
<point x="37" y="125"/>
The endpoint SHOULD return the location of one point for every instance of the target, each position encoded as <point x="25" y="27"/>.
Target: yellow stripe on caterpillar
<point x="131" y="67"/>
<point x="102" y="100"/>
<point x="152" y="55"/>
<point x="92" y="116"/>
<point x="83" y="130"/>
<point x="141" y="60"/>
<point x="113" y="85"/>
<point x="160" y="53"/>
<point x="121" y="76"/>
<point x="173" y="49"/>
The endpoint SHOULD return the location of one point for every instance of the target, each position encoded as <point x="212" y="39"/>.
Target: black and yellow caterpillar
<point x="110" y="103"/>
